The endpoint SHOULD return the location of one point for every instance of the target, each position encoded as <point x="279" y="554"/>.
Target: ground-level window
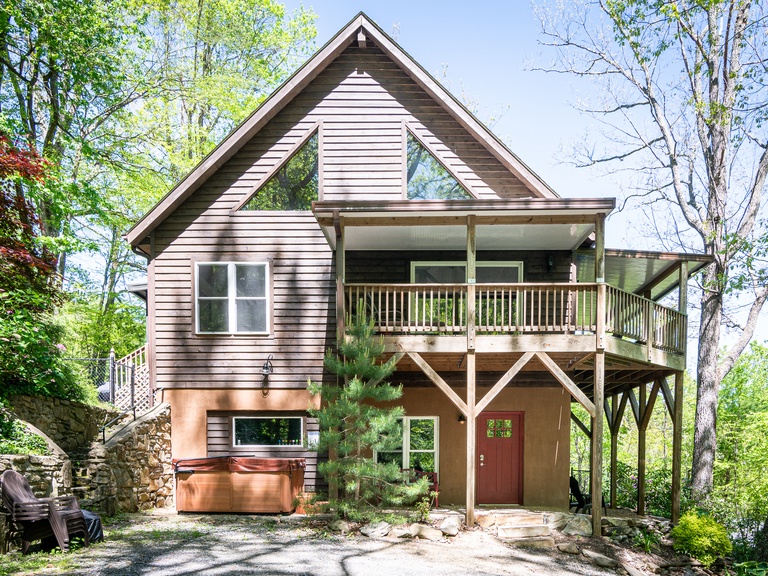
<point x="232" y="298"/>
<point x="260" y="431"/>
<point x="419" y="447"/>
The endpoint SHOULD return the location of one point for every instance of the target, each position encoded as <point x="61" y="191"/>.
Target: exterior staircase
<point x="524" y="528"/>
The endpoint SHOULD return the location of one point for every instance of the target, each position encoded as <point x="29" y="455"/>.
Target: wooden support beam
<point x="568" y="384"/>
<point x="649" y="404"/>
<point x="633" y="403"/>
<point x="471" y="439"/>
<point x="677" y="446"/>
<point x="440" y="383"/>
<point x="503" y="381"/>
<point x="583" y="427"/>
<point x="669" y="399"/>
<point x="597" y="446"/>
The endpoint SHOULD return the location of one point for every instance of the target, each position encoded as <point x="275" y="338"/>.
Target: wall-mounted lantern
<point x="267" y="368"/>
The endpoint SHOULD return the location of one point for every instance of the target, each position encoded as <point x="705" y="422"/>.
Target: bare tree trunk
<point x="708" y="379"/>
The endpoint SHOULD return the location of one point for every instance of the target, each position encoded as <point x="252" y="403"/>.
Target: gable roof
<point x="295" y="84"/>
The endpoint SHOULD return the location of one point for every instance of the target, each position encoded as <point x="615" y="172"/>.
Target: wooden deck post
<point x="677" y="412"/>
<point x="614" y="428"/>
<point x="597" y="445"/>
<point x="641" y="453"/>
<point x="599" y="376"/>
<point x="333" y="484"/>
<point x="677" y="444"/>
<point x="471" y="375"/>
<point x="471" y="439"/>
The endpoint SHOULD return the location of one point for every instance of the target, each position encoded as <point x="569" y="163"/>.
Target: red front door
<point x="500" y="458"/>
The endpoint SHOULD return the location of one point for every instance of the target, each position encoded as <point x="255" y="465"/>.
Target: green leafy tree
<point x="355" y="426"/>
<point x="30" y="353"/>
<point x="685" y="108"/>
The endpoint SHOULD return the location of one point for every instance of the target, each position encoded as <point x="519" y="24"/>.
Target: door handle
<point x="482" y="458"/>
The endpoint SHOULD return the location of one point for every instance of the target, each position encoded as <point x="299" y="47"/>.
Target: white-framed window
<point x="267" y="431"/>
<point x="419" y="447"/>
<point x="487" y="272"/>
<point x="232" y="298"/>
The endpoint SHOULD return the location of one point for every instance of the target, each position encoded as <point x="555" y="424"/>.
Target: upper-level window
<point x="486" y="272"/>
<point x="232" y="298"/>
<point x="294" y="185"/>
<point x="427" y="178"/>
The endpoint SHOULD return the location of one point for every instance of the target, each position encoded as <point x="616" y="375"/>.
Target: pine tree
<point x="355" y="425"/>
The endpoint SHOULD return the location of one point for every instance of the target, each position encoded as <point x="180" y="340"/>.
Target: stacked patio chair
<point x="41" y="518"/>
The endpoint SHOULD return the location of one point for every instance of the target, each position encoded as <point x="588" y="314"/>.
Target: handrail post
<point x="112" y="391"/>
<point x="650" y="327"/>
<point x="133" y="388"/>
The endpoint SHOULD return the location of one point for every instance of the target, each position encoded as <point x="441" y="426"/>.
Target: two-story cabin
<point x="361" y="181"/>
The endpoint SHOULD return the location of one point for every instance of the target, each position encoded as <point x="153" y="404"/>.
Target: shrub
<point x="15" y="439"/>
<point x="701" y="537"/>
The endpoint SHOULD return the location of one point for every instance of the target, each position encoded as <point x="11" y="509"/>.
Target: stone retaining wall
<point x="133" y="470"/>
<point x="71" y="425"/>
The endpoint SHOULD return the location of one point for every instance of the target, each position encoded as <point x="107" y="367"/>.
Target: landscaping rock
<point x="339" y="526"/>
<point x="451" y="525"/>
<point x="568" y="548"/>
<point x="514" y="532"/>
<point x="599" y="560"/>
<point x="557" y="520"/>
<point x="580" y="525"/>
<point x="486" y="521"/>
<point x="377" y="530"/>
<point x="399" y="532"/>
<point x="631" y="570"/>
<point x="423" y="531"/>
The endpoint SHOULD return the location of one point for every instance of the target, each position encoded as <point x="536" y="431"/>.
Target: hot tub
<point x="238" y="484"/>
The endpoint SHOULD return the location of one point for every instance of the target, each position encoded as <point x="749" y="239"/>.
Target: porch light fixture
<point x="462" y="419"/>
<point x="267" y="368"/>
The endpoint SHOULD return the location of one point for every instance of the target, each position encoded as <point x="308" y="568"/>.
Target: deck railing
<point x="515" y="309"/>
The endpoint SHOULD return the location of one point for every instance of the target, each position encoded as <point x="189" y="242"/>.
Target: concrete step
<point x="510" y="532"/>
<point x="534" y="542"/>
<point x="519" y="519"/>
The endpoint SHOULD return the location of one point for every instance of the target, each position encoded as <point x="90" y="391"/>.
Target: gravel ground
<point x="165" y="543"/>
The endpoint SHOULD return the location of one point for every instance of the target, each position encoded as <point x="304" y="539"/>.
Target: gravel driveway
<point x="170" y="544"/>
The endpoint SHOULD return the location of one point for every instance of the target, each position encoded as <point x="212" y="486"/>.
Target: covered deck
<point x="602" y="335"/>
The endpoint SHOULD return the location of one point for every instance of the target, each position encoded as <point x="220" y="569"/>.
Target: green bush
<point x="751" y="568"/>
<point x="701" y="537"/>
<point x="15" y="439"/>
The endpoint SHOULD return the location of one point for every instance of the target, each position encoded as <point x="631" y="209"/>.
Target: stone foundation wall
<point x="71" y="425"/>
<point x="133" y="470"/>
<point x="47" y="475"/>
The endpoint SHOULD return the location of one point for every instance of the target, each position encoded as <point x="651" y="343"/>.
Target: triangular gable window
<point x="293" y="186"/>
<point x="427" y="178"/>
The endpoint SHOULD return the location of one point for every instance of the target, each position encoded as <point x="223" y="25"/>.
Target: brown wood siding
<point x="302" y="301"/>
<point x="362" y="100"/>
<point x="219" y="434"/>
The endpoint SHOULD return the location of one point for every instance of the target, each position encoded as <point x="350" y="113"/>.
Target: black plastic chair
<point x="41" y="518"/>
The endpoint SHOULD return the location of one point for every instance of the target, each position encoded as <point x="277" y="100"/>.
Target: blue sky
<point x="487" y="49"/>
